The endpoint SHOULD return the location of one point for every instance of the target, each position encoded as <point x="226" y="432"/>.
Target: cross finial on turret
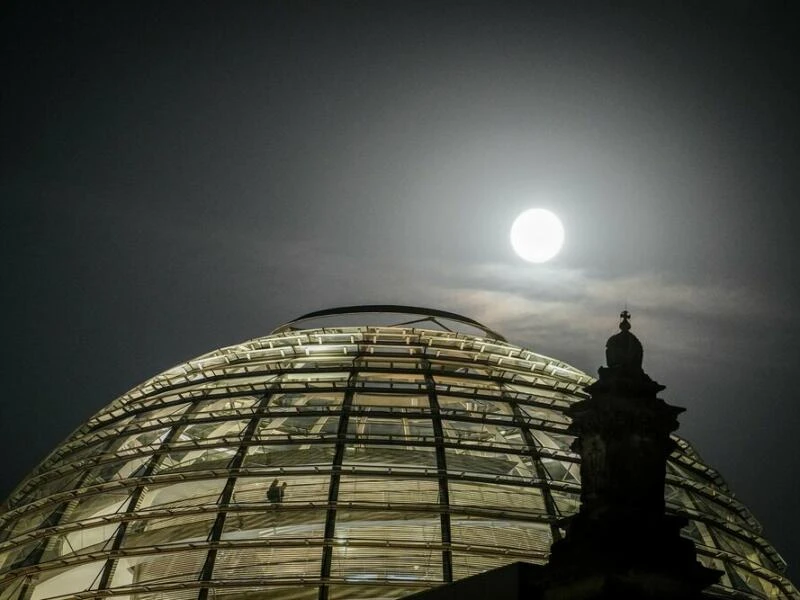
<point x="625" y="324"/>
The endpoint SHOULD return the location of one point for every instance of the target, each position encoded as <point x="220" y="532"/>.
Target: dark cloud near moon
<point x="177" y="177"/>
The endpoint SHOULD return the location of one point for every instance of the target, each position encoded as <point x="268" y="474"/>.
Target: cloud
<point x="565" y="309"/>
<point x="562" y="312"/>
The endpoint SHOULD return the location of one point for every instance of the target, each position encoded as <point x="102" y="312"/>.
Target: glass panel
<point x="354" y="525"/>
<point x="274" y="522"/>
<point x="311" y="379"/>
<point x="466" y="564"/>
<point x="722" y="512"/>
<point x="483" y="387"/>
<point x="388" y="490"/>
<point x="28" y="521"/>
<point x="772" y="590"/>
<point x="692" y="531"/>
<point x="685" y="472"/>
<point x="567" y="504"/>
<point x="159" y="531"/>
<point x="296" y="426"/>
<point x="706" y="537"/>
<point x="166" y="567"/>
<point x="98" y="505"/>
<point x="109" y="419"/>
<point x="678" y="496"/>
<point x="74" y="453"/>
<point x="413" y="457"/>
<point x="117" y="469"/>
<point x="195" y="460"/>
<point x="745" y="581"/>
<point x="83" y="541"/>
<point x="381" y="428"/>
<point x="124" y="572"/>
<point x="22" y="555"/>
<point x="393" y="362"/>
<point x="490" y="496"/>
<point x="455" y="366"/>
<point x="302" y="590"/>
<point x="554" y="441"/>
<point x="461" y="461"/>
<point x="95" y="532"/>
<point x="226" y="406"/>
<point x="65" y="581"/>
<point x="299" y="489"/>
<point x="373" y="588"/>
<point x="264" y="561"/>
<point x="167" y="412"/>
<point x="537" y="413"/>
<point x="145" y="439"/>
<point x="231" y="430"/>
<point x="300" y="514"/>
<point x="189" y="493"/>
<point x="44" y="488"/>
<point x="400" y="403"/>
<point x="370" y="378"/>
<point x="490" y="435"/>
<point x="536" y="390"/>
<point x="363" y="565"/>
<point x="372" y="427"/>
<point x="516" y="536"/>
<point x="311" y="398"/>
<point x="452" y="405"/>
<point x="739" y="547"/>
<point x="561" y="470"/>
<point x="286" y="455"/>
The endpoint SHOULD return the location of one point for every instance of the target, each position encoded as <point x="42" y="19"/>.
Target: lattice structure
<point x="411" y="454"/>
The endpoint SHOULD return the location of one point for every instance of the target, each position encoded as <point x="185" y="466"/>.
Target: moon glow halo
<point x="537" y="235"/>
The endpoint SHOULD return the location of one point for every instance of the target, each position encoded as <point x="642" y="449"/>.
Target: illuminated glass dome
<point x="335" y="460"/>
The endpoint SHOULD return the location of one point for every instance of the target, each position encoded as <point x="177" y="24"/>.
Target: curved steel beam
<point x="391" y="308"/>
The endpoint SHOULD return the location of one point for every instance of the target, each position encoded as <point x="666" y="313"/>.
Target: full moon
<point x="537" y="235"/>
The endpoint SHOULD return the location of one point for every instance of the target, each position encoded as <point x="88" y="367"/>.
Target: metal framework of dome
<point x="332" y="461"/>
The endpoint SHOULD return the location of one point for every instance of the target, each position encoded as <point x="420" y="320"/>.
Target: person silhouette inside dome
<point x="274" y="492"/>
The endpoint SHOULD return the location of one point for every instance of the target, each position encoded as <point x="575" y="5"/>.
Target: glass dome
<point x="331" y="461"/>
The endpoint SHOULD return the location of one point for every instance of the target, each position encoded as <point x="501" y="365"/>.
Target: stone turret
<point x="624" y="350"/>
<point x="621" y="544"/>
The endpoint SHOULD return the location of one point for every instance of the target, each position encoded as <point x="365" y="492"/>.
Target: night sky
<point x="176" y="177"/>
